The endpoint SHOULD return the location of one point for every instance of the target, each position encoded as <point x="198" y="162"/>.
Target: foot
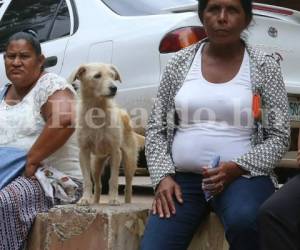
<point x="84" y="201"/>
<point x="96" y="200"/>
<point x="114" y="202"/>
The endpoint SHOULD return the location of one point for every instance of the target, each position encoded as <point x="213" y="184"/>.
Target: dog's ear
<point x="77" y="74"/>
<point x="117" y="74"/>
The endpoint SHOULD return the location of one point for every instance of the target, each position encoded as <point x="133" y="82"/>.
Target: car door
<point x="52" y="21"/>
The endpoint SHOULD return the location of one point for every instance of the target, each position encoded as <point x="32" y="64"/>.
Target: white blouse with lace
<point x="22" y="123"/>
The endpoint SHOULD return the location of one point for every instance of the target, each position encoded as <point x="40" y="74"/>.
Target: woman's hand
<point x="163" y="203"/>
<point x="30" y="170"/>
<point x="215" y="179"/>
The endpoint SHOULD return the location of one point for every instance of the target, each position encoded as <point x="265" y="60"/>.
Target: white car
<point x="139" y="37"/>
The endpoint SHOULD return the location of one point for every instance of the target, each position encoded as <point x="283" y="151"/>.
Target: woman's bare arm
<point x="59" y="115"/>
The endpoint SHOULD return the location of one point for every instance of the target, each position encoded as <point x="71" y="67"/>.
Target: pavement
<point x="139" y="181"/>
<point x="142" y="191"/>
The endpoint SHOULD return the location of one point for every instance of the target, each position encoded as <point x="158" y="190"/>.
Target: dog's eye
<point x="97" y="76"/>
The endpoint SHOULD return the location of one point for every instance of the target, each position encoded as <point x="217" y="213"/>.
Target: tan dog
<point x="104" y="133"/>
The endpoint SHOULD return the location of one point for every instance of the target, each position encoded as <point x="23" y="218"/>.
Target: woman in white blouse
<point x="37" y="115"/>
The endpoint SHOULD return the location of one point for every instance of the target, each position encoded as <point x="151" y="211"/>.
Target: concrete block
<point x="100" y="227"/>
<point x="107" y="227"/>
<point x="210" y="235"/>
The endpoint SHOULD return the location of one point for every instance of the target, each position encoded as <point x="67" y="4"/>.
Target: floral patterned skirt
<point x="20" y="202"/>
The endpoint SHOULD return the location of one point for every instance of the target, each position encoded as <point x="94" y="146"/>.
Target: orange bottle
<point x="256" y="107"/>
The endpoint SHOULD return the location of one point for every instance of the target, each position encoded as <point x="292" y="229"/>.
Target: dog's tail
<point x="126" y="120"/>
<point x="140" y="140"/>
<point x="128" y="127"/>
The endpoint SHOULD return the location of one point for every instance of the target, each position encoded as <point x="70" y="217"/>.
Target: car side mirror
<point x="50" y="61"/>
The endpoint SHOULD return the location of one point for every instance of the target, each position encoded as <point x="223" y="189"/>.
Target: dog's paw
<point x="83" y="201"/>
<point x="96" y="200"/>
<point x="114" y="202"/>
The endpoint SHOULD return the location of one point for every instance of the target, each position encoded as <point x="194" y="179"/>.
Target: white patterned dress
<point x="20" y="125"/>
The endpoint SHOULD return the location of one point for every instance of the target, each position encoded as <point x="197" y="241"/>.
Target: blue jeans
<point x="236" y="206"/>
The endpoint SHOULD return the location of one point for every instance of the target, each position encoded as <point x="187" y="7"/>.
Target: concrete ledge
<point x="105" y="227"/>
<point x="100" y="227"/>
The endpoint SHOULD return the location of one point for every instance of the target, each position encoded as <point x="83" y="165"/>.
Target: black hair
<point x="246" y="4"/>
<point x="29" y="36"/>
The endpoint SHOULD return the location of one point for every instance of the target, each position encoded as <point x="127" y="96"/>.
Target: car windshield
<point x="152" y="7"/>
<point x="144" y="7"/>
<point x="291" y="4"/>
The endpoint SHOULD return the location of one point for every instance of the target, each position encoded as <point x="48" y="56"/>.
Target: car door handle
<point x="50" y="61"/>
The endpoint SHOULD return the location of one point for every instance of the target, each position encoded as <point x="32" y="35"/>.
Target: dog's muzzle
<point x="113" y="90"/>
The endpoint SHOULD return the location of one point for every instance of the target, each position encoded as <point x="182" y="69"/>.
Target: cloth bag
<point x="12" y="160"/>
<point x="12" y="164"/>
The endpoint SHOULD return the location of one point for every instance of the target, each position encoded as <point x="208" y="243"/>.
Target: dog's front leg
<point x="130" y="161"/>
<point x="85" y="164"/>
<point x="98" y="165"/>
<point x="114" y="176"/>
